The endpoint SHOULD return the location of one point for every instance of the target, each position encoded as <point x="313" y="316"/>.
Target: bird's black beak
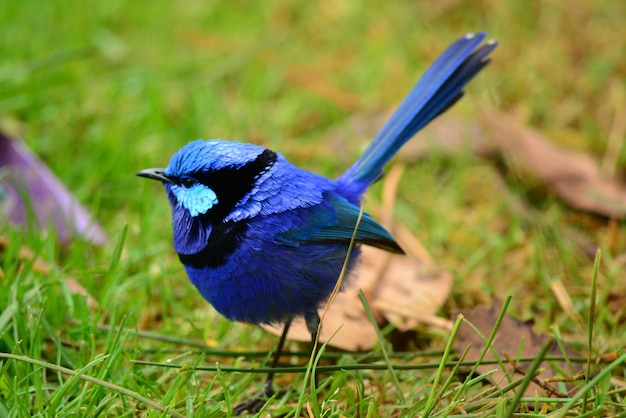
<point x="155" y="174"/>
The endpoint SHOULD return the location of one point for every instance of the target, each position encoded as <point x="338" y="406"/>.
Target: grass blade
<point x="96" y="381"/>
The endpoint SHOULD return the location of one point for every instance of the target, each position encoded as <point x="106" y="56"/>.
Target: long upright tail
<point x="438" y="89"/>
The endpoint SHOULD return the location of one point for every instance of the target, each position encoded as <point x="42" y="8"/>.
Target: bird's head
<point x="208" y="178"/>
<point x="205" y="180"/>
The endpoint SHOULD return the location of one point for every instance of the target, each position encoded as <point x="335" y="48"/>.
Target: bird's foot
<point x="255" y="404"/>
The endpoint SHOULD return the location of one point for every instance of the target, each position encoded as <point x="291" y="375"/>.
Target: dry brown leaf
<point x="511" y="336"/>
<point x="574" y="176"/>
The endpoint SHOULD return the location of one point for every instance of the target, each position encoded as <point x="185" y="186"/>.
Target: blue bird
<point x="263" y="240"/>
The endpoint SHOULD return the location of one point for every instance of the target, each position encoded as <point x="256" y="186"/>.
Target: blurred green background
<point x="102" y="89"/>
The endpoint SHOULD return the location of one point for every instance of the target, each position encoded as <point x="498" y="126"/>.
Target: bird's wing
<point x="335" y="221"/>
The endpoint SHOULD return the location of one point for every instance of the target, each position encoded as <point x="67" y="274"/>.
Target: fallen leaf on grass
<point x="514" y="338"/>
<point x="574" y="176"/>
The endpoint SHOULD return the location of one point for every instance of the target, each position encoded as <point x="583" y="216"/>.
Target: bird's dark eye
<point x="187" y="182"/>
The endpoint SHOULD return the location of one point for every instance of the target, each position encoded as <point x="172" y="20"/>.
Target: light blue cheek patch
<point x="197" y="199"/>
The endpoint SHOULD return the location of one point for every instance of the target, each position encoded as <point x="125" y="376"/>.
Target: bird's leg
<point x="312" y="324"/>
<point x="255" y="404"/>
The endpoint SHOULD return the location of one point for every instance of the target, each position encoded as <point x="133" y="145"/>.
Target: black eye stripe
<point x="187" y="182"/>
<point x="231" y="184"/>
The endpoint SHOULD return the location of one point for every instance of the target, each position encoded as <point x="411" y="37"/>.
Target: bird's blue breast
<point x="265" y="281"/>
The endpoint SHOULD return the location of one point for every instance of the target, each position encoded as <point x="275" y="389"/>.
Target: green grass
<point x="102" y="89"/>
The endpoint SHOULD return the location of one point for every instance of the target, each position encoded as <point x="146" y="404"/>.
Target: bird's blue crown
<point x="210" y="155"/>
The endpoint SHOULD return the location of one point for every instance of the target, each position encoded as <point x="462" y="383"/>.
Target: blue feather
<point x="439" y="87"/>
<point x="336" y="222"/>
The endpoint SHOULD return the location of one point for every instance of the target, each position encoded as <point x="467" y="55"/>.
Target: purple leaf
<point x="29" y="191"/>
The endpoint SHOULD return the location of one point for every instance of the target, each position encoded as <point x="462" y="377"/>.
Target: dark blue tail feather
<point x="438" y="89"/>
